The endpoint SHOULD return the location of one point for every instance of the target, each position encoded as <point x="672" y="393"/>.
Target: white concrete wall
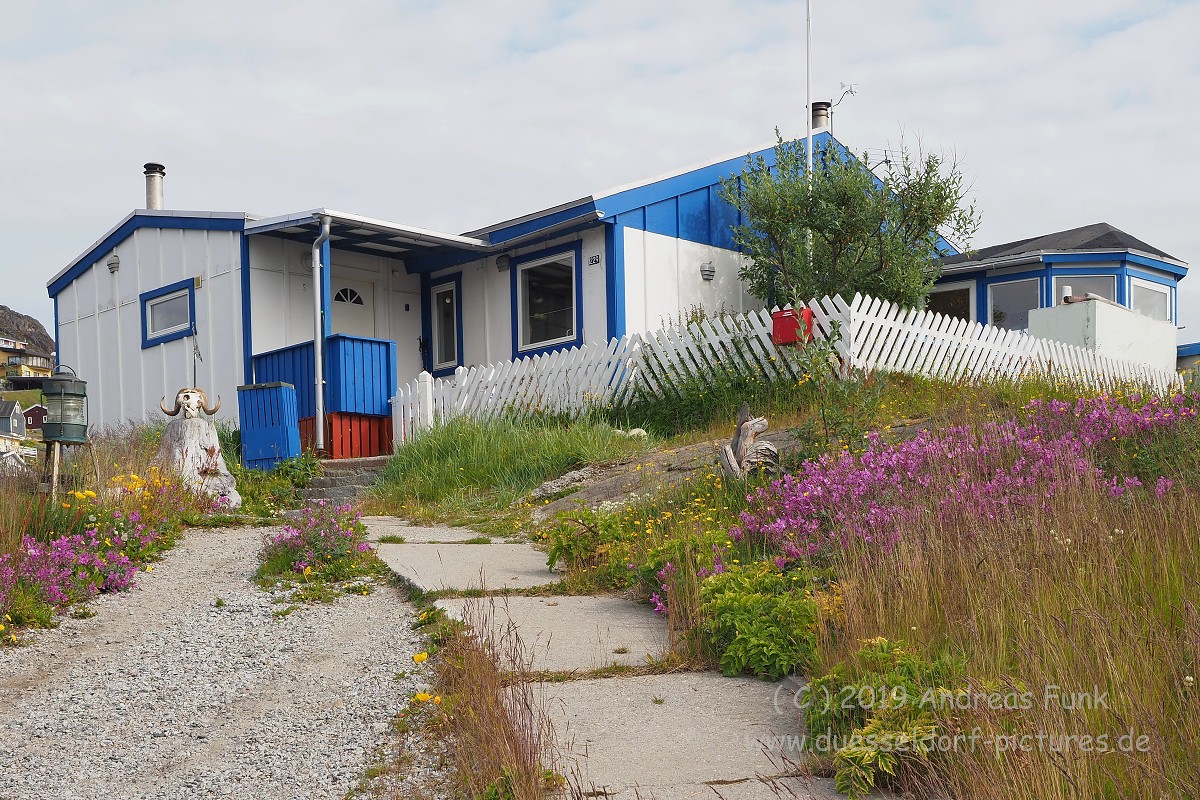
<point x="282" y="300"/>
<point x="662" y="280"/>
<point x="1108" y="330"/>
<point x="487" y="301"/>
<point x="100" y="324"/>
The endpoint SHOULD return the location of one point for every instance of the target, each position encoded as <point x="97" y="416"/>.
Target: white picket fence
<point x="873" y="335"/>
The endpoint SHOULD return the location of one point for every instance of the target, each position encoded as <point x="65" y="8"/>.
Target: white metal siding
<point x="100" y="324"/>
<point x="662" y="280"/>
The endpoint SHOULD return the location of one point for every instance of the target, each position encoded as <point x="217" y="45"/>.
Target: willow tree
<point x="879" y="235"/>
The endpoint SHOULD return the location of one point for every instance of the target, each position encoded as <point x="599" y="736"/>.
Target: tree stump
<point x="745" y="453"/>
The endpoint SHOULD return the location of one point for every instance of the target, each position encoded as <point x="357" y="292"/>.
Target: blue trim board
<point x="247" y="327"/>
<point x="106" y="245"/>
<point x="57" y="341"/>
<point x="190" y="285"/>
<point x="1192" y="349"/>
<point x="428" y="284"/>
<point x="614" y="279"/>
<point x="576" y="249"/>
<point x="1115" y="255"/>
<point x="502" y="235"/>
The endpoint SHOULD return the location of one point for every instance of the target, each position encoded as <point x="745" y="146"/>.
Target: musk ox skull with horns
<point x="192" y="401"/>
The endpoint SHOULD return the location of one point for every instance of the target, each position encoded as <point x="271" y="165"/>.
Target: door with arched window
<point x="353" y="306"/>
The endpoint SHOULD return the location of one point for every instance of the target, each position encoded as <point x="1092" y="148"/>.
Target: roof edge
<point x="122" y="230"/>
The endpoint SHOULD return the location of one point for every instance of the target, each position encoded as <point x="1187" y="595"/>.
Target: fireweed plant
<point x="965" y="475"/>
<point x="83" y="544"/>
<point x="324" y="553"/>
<point x="968" y="547"/>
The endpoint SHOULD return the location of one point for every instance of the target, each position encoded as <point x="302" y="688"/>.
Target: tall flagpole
<point x="808" y="122"/>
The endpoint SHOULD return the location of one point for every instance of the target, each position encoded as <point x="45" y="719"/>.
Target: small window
<point x="953" y="300"/>
<point x="445" y="327"/>
<point x="348" y="295"/>
<point x="1151" y="299"/>
<point x="1103" y="285"/>
<point x="1009" y="303"/>
<point x="168" y="313"/>
<point x="546" y="301"/>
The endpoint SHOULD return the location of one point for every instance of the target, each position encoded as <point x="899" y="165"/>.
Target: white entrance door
<point x="353" y="306"/>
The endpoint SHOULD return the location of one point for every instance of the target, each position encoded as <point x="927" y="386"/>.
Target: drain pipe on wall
<point x="319" y="335"/>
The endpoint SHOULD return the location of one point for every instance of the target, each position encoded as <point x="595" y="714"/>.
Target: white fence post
<point x="424" y="416"/>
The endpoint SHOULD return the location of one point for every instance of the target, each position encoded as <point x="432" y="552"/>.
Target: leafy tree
<point x="878" y="235"/>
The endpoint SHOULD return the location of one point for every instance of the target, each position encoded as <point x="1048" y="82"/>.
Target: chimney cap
<point x="155" y="169"/>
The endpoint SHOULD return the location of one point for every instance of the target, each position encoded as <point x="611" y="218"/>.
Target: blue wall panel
<point x="292" y="365"/>
<point x="270" y="424"/>
<point x="693" y="217"/>
<point x="663" y="217"/>
<point x="360" y="374"/>
<point x="723" y="218"/>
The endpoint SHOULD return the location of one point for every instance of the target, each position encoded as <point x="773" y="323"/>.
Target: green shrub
<point x="882" y="708"/>
<point x="759" y="621"/>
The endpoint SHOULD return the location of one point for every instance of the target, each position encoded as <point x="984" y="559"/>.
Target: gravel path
<point x="164" y="695"/>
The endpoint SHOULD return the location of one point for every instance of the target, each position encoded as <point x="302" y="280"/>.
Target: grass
<point x="1090" y="595"/>
<point x="501" y="732"/>
<point x="481" y="473"/>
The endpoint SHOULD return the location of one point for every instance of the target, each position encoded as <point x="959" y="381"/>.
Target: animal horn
<point x="172" y="412"/>
<point x="214" y="409"/>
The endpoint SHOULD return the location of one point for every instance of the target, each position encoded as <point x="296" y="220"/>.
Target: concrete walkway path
<point x="635" y="737"/>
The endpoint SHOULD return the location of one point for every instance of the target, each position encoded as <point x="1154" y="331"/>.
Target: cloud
<point x="456" y="115"/>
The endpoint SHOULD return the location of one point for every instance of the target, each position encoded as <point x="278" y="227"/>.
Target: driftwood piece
<point x="745" y="453"/>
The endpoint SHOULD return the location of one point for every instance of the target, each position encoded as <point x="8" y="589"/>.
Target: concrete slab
<point x="434" y="567"/>
<point x="378" y="527"/>
<point x="679" y="737"/>
<point x="569" y="633"/>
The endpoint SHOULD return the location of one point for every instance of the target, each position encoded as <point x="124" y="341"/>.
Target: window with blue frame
<point x="1009" y="303"/>
<point x="168" y="313"/>
<point x="1100" y="285"/>
<point x="445" y="326"/>
<point x="546" y="301"/>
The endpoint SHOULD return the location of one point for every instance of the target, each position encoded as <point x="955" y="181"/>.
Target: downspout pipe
<point x="319" y="334"/>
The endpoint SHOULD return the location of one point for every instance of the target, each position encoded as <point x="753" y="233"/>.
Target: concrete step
<point x="348" y="479"/>
<point x="343" y="466"/>
<point x="339" y="494"/>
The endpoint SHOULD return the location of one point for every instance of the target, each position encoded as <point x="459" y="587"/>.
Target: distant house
<point x="34" y="417"/>
<point x="12" y="426"/>
<point x="1001" y="284"/>
<point x="18" y="362"/>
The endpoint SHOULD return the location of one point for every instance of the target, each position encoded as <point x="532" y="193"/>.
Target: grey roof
<point x="7" y="407"/>
<point x="1098" y="237"/>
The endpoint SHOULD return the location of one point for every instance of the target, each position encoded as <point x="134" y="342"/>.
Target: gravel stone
<point x="164" y="695"/>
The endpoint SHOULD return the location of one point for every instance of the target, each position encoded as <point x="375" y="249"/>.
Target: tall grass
<point x="504" y="745"/>
<point x="468" y="470"/>
<point x="1092" y="595"/>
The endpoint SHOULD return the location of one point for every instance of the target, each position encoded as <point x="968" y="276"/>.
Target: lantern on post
<point x="66" y="419"/>
<point x="66" y="407"/>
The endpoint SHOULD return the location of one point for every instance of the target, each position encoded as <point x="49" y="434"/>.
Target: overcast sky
<point x="453" y="115"/>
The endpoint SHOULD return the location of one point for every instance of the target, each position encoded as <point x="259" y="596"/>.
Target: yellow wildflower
<point x="437" y="698"/>
<point x="419" y="657"/>
<point x="422" y="696"/>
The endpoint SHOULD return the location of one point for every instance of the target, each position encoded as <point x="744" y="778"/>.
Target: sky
<point x="455" y="115"/>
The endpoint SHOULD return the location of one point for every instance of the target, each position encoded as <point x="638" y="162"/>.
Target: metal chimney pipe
<point x="820" y="114"/>
<point x="154" y="185"/>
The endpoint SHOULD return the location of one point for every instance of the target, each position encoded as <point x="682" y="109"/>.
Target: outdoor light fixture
<point x="66" y="407"/>
<point x="502" y="262"/>
<point x="114" y="262"/>
<point x="708" y="271"/>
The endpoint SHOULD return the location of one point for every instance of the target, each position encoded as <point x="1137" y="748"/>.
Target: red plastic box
<point x="791" y="326"/>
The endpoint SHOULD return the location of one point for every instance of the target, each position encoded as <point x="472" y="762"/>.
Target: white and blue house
<point x="391" y="299"/>
<point x="1001" y="284"/>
